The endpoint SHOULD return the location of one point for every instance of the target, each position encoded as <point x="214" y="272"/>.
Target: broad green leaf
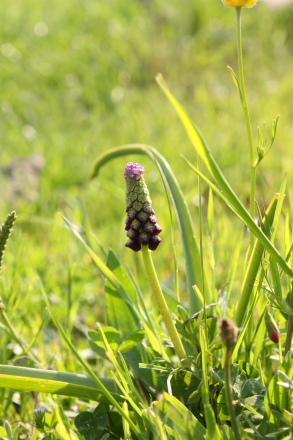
<point x="116" y="267"/>
<point x="112" y="335"/>
<point x="108" y="274"/>
<point x="120" y="314"/>
<point x="252" y="393"/>
<point x="184" y="384"/>
<point x="91" y="425"/>
<point x="190" y="246"/>
<point x="131" y="341"/>
<point x="154" y="341"/>
<point x="205" y="153"/>
<point x="171" y="300"/>
<point x="55" y="382"/>
<point x="248" y="391"/>
<point x="106" y="437"/>
<point x="100" y="351"/>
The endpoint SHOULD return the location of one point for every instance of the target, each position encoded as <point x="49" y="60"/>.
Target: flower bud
<point x="154" y="242"/>
<point x="141" y="223"/>
<point x="274" y="335"/>
<point x="228" y="331"/>
<point x="40" y="415"/>
<point x="272" y="327"/>
<point x="240" y="3"/>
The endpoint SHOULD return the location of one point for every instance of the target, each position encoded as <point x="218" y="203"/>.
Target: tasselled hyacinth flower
<point x="141" y="222"/>
<point x="240" y="3"/>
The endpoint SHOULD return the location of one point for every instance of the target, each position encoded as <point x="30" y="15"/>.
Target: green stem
<point x="290" y="324"/>
<point x="165" y="312"/>
<point x="247" y="119"/>
<point x="229" y="395"/>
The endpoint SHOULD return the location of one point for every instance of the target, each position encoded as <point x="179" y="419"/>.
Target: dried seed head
<point x="141" y="222"/>
<point x="228" y="331"/>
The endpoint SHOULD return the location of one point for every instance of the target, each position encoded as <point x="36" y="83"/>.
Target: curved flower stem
<point x="165" y="312"/>
<point x="229" y="396"/>
<point x="247" y="119"/>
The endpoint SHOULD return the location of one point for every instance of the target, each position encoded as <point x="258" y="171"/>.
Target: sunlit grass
<point x="77" y="79"/>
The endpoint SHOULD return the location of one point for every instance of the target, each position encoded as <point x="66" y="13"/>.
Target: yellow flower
<point x="240" y="3"/>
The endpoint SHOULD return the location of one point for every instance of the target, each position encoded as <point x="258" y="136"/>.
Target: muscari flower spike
<point x="141" y="223"/>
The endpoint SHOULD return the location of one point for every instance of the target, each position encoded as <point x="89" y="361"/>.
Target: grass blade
<point x="87" y="368"/>
<point x="205" y="153"/>
<point x="56" y="382"/>
<point x="253" y="266"/>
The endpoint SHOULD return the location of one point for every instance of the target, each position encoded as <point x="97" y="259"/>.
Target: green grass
<point x="84" y="79"/>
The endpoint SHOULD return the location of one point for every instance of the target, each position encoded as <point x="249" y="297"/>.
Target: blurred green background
<point x="78" y="77"/>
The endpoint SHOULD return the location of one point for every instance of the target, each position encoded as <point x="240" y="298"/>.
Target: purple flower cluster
<point x="141" y="223"/>
<point x="40" y="418"/>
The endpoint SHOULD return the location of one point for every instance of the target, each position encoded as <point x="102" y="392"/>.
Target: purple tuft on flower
<point x="133" y="171"/>
<point x="141" y="223"/>
<point x="41" y="409"/>
<point x="39" y="418"/>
